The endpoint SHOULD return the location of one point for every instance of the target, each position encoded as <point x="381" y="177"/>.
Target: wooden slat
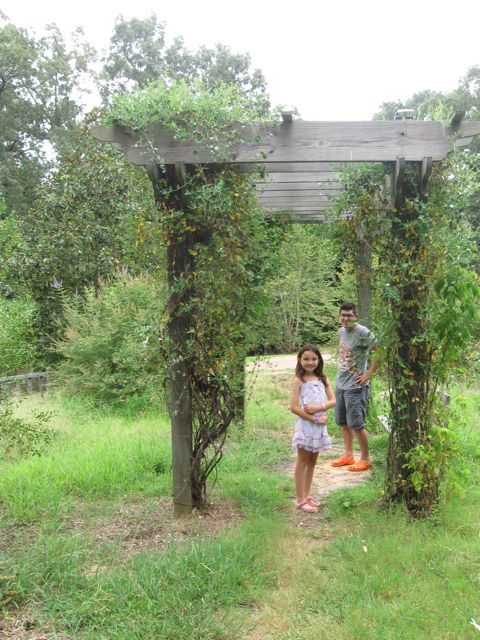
<point x="294" y="167"/>
<point x="299" y="193"/>
<point x="300" y="141"/>
<point x="296" y="187"/>
<point x="307" y="176"/>
<point x="287" y="201"/>
<point x="322" y="206"/>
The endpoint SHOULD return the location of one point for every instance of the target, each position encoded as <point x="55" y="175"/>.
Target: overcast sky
<point x="335" y="60"/>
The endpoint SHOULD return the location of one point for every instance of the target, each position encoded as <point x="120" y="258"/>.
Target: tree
<point x="38" y="78"/>
<point x="93" y="216"/>
<point x="300" y="292"/>
<point x="139" y="54"/>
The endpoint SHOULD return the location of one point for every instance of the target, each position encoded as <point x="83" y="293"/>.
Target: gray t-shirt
<point x="355" y="345"/>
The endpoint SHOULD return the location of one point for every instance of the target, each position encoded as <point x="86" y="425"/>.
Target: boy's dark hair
<point x="300" y="371"/>
<point x="348" y="306"/>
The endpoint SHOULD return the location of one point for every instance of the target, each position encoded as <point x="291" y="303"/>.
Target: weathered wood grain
<point x="302" y="141"/>
<point x="271" y="194"/>
<point x="294" y="199"/>
<point x="307" y="176"/>
<point x="294" y="187"/>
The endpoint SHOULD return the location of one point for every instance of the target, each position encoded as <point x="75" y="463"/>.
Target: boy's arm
<point x="369" y="373"/>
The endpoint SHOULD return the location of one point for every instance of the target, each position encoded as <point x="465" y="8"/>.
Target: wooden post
<point x="364" y="279"/>
<point x="407" y="400"/>
<point x="180" y="402"/>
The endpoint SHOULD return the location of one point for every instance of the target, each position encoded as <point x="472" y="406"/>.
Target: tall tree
<point x="38" y="79"/>
<point x="139" y="54"/>
<point x="93" y="216"/>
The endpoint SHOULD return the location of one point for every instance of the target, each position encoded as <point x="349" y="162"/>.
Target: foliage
<point x="37" y="80"/>
<point x="94" y="216"/>
<point x="426" y="309"/>
<point x="362" y="203"/>
<point x="23" y="436"/>
<point x="190" y="111"/>
<point x="432" y="299"/>
<point x="17" y="342"/>
<point x="301" y="291"/>
<point x="111" y="345"/>
<point x="212" y="227"/>
<point x="139" y="55"/>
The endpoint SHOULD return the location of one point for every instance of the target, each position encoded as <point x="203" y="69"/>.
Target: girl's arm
<point x="331" y="402"/>
<point x="295" y="402"/>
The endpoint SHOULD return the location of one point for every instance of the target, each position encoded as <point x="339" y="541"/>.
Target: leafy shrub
<point x="302" y="295"/>
<point x="111" y="344"/>
<point x="17" y="346"/>
<point x="21" y="436"/>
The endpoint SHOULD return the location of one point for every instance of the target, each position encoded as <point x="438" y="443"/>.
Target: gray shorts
<point x="351" y="407"/>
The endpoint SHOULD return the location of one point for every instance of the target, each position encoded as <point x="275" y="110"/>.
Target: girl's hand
<point x="312" y="408"/>
<point x="321" y="419"/>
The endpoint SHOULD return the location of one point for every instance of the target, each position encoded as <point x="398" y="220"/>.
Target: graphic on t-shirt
<point x="346" y="360"/>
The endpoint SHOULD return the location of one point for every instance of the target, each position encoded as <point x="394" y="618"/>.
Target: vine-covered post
<point x="364" y="279"/>
<point x="179" y="265"/>
<point x="408" y="362"/>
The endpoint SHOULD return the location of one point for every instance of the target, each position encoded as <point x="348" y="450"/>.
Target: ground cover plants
<point x="89" y="547"/>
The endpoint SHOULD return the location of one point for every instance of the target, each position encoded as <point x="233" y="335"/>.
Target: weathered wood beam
<point x="295" y="201"/>
<point x="295" y="187"/>
<point x="425" y="171"/>
<point x="293" y="167"/>
<point x="301" y="141"/>
<point x="398" y="183"/>
<point x="271" y="194"/>
<point x="179" y="326"/>
<point x="306" y="176"/>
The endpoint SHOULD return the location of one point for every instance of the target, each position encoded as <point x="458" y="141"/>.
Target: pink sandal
<point x="306" y="506"/>
<point x="313" y="501"/>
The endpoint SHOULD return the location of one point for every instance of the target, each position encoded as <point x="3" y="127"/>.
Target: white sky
<point x="335" y="60"/>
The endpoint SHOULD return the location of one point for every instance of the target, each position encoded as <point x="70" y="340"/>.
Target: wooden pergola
<point x="302" y="161"/>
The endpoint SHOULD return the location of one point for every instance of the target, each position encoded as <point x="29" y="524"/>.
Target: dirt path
<point x="286" y="362"/>
<point x="326" y="479"/>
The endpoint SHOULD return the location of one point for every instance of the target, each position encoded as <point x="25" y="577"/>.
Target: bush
<point x="17" y="345"/>
<point x="19" y="436"/>
<point x="111" y="344"/>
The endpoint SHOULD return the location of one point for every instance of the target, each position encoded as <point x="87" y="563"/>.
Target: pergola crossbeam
<point x="301" y="141"/>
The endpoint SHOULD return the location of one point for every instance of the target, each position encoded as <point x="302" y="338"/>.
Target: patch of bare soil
<point x="133" y="528"/>
<point x="326" y="479"/>
<point x="25" y="628"/>
<point x="280" y="363"/>
<point x="139" y="526"/>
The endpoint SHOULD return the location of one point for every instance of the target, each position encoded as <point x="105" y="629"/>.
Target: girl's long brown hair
<point x="300" y="371"/>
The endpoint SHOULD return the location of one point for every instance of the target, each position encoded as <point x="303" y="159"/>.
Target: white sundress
<point x="309" y="435"/>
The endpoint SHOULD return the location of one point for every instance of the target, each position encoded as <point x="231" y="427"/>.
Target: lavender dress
<point x="308" y="435"/>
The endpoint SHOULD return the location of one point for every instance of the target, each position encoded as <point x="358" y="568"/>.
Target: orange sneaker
<point x="343" y="461"/>
<point x="360" y="465"/>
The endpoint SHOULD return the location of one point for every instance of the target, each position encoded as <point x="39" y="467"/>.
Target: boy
<point x="352" y="386"/>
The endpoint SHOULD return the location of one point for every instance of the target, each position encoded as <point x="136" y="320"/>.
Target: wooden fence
<point x="25" y="383"/>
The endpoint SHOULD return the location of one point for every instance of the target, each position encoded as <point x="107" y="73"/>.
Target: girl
<point x="312" y="395"/>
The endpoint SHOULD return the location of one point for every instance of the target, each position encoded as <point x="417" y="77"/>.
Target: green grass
<point x="98" y="456"/>
<point x="360" y="572"/>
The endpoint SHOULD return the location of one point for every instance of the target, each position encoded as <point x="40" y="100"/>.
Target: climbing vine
<point x="427" y="304"/>
<point x="213" y="230"/>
